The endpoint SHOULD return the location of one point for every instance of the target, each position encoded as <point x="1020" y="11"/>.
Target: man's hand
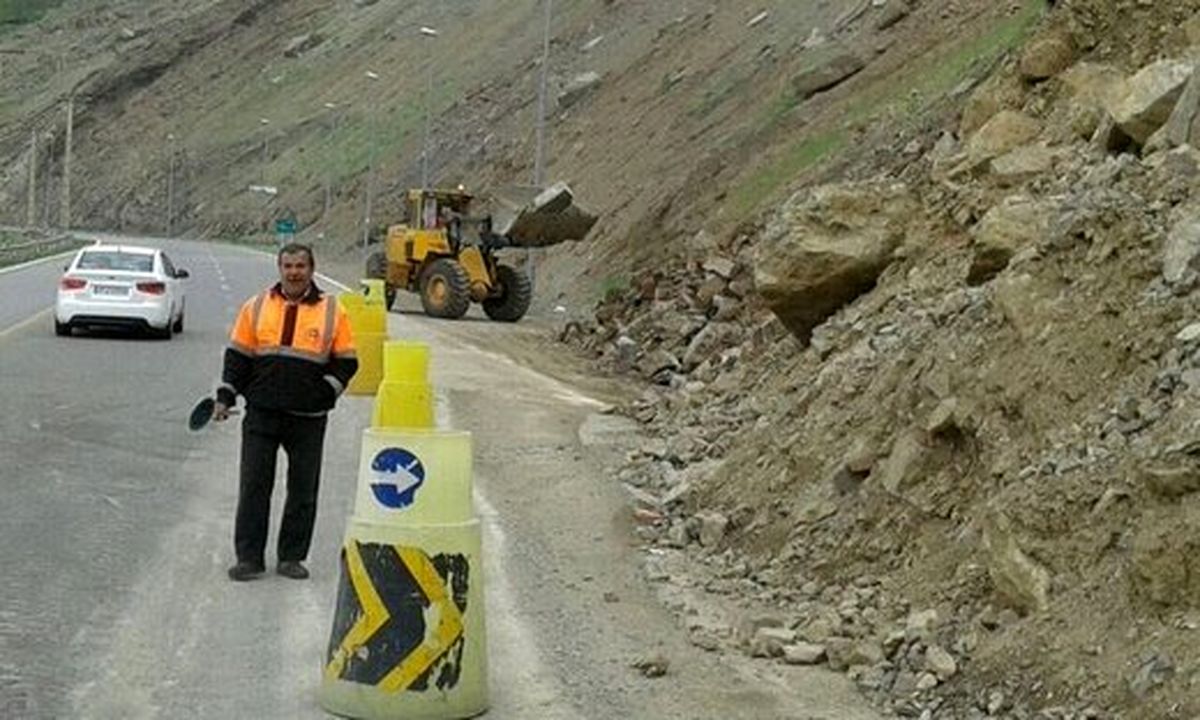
<point x="220" y="412"/>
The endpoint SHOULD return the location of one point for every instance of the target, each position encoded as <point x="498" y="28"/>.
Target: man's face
<point x="295" y="272"/>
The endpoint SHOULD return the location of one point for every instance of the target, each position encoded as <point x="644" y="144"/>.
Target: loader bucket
<point x="533" y="218"/>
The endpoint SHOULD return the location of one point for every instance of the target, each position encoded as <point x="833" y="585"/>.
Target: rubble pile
<point x="936" y="427"/>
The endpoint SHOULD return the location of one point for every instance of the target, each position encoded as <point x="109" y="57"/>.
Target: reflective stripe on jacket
<point x="291" y="356"/>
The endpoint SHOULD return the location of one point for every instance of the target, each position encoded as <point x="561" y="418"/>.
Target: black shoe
<point x="292" y="569"/>
<point x="244" y="571"/>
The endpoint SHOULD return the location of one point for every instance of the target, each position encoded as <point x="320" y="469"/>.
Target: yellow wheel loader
<point x="447" y="255"/>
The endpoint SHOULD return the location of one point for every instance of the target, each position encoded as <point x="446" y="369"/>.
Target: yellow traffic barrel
<point x="375" y="291"/>
<point x="403" y="405"/>
<point x="414" y="477"/>
<point x="409" y="635"/>
<point x="364" y="317"/>
<point x="406" y="361"/>
<point x="369" y="349"/>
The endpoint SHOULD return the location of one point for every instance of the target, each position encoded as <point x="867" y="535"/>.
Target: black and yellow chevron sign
<point x="399" y="620"/>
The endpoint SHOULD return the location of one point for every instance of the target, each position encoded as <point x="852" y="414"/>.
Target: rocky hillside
<point x="933" y="421"/>
<point x="910" y="285"/>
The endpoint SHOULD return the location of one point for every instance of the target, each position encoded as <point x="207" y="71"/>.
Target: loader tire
<point x="516" y="293"/>
<point x="445" y="289"/>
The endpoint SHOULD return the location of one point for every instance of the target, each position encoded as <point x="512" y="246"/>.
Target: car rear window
<point x="115" y="260"/>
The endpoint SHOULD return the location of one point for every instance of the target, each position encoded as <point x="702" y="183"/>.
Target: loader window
<point x="430" y="219"/>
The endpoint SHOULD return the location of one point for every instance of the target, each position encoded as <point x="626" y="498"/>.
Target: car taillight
<point x="152" y="288"/>
<point x="72" y="283"/>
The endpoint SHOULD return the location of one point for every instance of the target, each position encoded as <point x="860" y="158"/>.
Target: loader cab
<point x="431" y="209"/>
<point x="440" y="210"/>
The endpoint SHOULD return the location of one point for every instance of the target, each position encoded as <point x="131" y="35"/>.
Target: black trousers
<point x="303" y="439"/>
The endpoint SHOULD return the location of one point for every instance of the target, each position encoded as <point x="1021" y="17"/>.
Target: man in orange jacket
<point x="290" y="355"/>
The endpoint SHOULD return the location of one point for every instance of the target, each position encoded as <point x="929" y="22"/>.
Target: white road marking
<point x="302" y="649"/>
<point x="511" y="638"/>
<point x="559" y="390"/>
<point x="36" y="317"/>
<point x="510" y="635"/>
<point x="39" y="261"/>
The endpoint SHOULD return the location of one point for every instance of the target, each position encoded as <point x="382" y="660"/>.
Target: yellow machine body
<point x="436" y="255"/>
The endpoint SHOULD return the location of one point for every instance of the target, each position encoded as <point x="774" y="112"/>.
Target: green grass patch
<point x="21" y="12"/>
<point x="746" y="197"/>
<point x="727" y="85"/>
<point x="901" y="96"/>
<point x="613" y="286"/>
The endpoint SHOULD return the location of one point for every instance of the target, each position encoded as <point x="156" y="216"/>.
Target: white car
<point x="121" y="286"/>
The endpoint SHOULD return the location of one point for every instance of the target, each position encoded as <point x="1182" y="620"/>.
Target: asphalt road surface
<point x="116" y="530"/>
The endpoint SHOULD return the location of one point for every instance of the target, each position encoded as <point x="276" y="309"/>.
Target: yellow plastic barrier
<point x="433" y="485"/>
<point x="409" y="639"/>
<point x="401" y="405"/>
<point x="409" y="635"/>
<point x="374" y="291"/>
<point x="364" y="317"/>
<point x="405" y="361"/>
<point x="369" y="348"/>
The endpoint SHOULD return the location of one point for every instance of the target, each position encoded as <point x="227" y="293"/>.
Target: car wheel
<point x="178" y="326"/>
<point x="163" y="333"/>
<point x="62" y="329"/>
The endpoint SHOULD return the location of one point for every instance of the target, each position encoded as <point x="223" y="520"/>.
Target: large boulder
<point x="577" y="88"/>
<point x="827" y="246"/>
<point x="1022" y="164"/>
<point x="1005" y="132"/>
<point x="1020" y="581"/>
<point x="1164" y="562"/>
<point x="1183" y="127"/>
<point x="1096" y="85"/>
<point x="1181" y="255"/>
<point x="843" y="65"/>
<point x="301" y="44"/>
<point x="1047" y="56"/>
<point x="1016" y="223"/>
<point x="1002" y="91"/>
<point x="1152" y="95"/>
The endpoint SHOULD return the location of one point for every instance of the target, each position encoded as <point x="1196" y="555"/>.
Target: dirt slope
<point x="970" y="485"/>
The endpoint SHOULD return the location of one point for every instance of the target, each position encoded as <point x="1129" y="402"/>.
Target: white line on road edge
<point x="330" y="281"/>
<point x="39" y="261"/>
<point x="323" y="277"/>
<point x="508" y="627"/>
<point x="26" y="322"/>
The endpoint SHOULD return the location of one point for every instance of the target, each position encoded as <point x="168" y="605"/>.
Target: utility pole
<point x="539" y="153"/>
<point x="374" y="123"/>
<point x="425" y="150"/>
<point x="65" y="211"/>
<point x="264" y="122"/>
<point x="425" y="144"/>
<point x="170" y="184"/>
<point x="539" y="161"/>
<point x="31" y="198"/>
<point x="333" y="123"/>
<point x="46" y="217"/>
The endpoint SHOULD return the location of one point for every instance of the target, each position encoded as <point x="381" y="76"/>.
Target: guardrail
<point x="13" y="253"/>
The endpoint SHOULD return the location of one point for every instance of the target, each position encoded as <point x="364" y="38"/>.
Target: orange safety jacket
<point x="296" y="357"/>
